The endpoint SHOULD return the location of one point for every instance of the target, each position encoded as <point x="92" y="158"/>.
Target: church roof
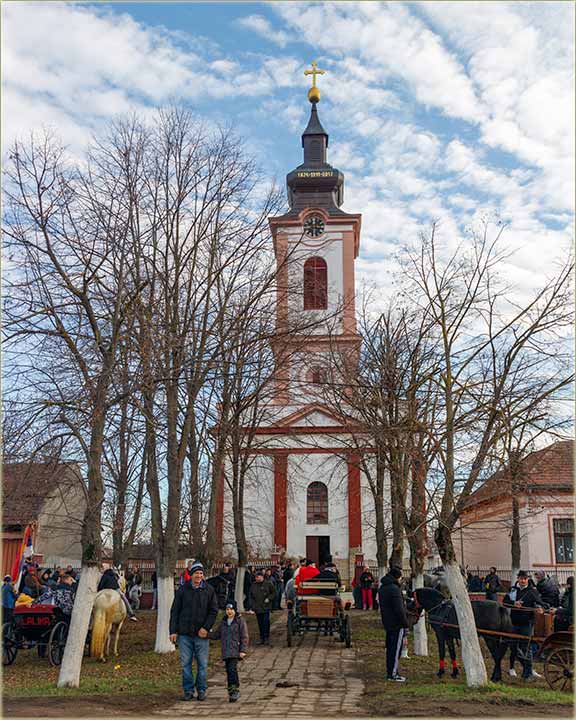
<point x="314" y="126"/>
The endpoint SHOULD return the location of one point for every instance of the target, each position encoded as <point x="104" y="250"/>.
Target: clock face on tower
<point x="314" y="226"/>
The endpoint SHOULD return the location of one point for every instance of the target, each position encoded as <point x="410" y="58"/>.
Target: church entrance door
<point x="318" y="548"/>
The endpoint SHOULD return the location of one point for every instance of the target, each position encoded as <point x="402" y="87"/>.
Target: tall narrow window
<point x="564" y="539"/>
<point x="317" y="504"/>
<point x="315" y="284"/>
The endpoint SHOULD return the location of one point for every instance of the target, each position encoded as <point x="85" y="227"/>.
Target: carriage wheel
<point x="9" y="644"/>
<point x="57" y="643"/>
<point x="289" y="630"/>
<point x="347" y="632"/>
<point x="559" y="669"/>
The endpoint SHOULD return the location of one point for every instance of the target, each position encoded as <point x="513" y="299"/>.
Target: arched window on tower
<point x="317" y="504"/>
<point x="315" y="284"/>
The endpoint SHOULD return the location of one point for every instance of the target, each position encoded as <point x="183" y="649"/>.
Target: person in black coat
<point x="547" y="589"/>
<point x="564" y="616"/>
<point x="109" y="581"/>
<point x="491" y="584"/>
<point x="524" y="602"/>
<point x="192" y="615"/>
<point x="394" y="620"/>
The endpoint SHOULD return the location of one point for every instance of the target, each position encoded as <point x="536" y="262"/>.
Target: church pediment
<point x="313" y="416"/>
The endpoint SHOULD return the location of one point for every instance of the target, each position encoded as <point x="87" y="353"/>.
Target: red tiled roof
<point x="25" y="487"/>
<point x="551" y="468"/>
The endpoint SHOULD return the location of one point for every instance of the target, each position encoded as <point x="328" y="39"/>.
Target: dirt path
<point x="318" y="676"/>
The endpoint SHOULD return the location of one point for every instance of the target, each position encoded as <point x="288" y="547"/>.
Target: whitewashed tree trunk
<point x="514" y="576"/>
<point x="165" y="599"/>
<point x="472" y="659"/>
<point x="69" y="675"/>
<point x="239" y="588"/>
<point x="420" y="635"/>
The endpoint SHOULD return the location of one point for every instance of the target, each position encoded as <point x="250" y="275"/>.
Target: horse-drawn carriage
<point x="321" y="611"/>
<point x="44" y="627"/>
<point x="554" y="649"/>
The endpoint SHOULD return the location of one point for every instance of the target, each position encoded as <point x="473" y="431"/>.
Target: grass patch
<point x="137" y="671"/>
<point x="422" y="683"/>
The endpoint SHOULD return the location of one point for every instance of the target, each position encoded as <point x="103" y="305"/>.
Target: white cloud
<point x="260" y="25"/>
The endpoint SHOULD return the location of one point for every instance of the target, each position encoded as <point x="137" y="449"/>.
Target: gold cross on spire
<point x="314" y="92"/>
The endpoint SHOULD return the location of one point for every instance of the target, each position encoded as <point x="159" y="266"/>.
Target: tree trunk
<point x="420" y="634"/>
<point x="69" y="675"/>
<point x="472" y="659"/>
<point x="239" y="589"/>
<point x="397" y="516"/>
<point x="165" y="600"/>
<point x="515" y="539"/>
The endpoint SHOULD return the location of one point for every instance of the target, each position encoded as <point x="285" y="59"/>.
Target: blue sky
<point x="436" y="111"/>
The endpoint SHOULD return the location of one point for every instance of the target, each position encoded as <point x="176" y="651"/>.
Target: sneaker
<point x="234" y="695"/>
<point x="188" y="696"/>
<point x="512" y="672"/>
<point x="133" y="618"/>
<point x="201" y="695"/>
<point x="397" y="678"/>
<point x="535" y="674"/>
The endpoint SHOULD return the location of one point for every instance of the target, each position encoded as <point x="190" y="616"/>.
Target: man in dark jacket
<point x="394" y="619"/>
<point x="547" y="589"/>
<point x="491" y="584"/>
<point x="524" y="602"/>
<point x="565" y="614"/>
<point x="193" y="613"/>
<point x="262" y="594"/>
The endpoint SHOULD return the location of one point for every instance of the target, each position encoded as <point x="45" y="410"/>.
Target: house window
<point x="317" y="503"/>
<point x="564" y="539"/>
<point x="315" y="284"/>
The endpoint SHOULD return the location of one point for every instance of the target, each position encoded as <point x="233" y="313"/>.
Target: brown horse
<point x="109" y="614"/>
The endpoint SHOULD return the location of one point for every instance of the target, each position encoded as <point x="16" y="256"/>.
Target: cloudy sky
<point x="435" y="110"/>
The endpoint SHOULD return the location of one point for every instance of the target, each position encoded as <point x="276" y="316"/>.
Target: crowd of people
<point x="199" y="598"/>
<point x="40" y="586"/>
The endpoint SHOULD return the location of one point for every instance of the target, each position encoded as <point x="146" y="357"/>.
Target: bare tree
<point x="199" y="223"/>
<point x="67" y="298"/>
<point x="483" y="336"/>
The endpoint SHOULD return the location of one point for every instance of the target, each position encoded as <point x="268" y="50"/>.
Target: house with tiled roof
<point x="545" y="490"/>
<point x="49" y="497"/>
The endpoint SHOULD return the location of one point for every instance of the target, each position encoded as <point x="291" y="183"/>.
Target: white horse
<point x="109" y="613"/>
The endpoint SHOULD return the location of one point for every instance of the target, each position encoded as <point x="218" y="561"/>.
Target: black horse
<point x="489" y="615"/>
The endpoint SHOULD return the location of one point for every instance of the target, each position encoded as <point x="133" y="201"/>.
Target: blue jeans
<point x="190" y="648"/>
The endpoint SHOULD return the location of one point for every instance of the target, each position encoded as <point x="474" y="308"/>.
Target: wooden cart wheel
<point x="9" y="644"/>
<point x="289" y="629"/>
<point x="57" y="643"/>
<point x="559" y="669"/>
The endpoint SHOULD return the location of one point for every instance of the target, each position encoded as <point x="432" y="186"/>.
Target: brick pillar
<point x="280" y="499"/>
<point x="354" y="503"/>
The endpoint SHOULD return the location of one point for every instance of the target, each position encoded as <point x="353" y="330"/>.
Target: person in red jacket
<point x="306" y="573"/>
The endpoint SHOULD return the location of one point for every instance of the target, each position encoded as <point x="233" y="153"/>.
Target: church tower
<point x="308" y="496"/>
<point x="316" y="243"/>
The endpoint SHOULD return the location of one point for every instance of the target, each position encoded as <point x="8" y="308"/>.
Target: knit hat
<point x="232" y="604"/>
<point x="195" y="567"/>
<point x="259" y="572"/>
<point x="396" y="572"/>
<point x="7" y="577"/>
